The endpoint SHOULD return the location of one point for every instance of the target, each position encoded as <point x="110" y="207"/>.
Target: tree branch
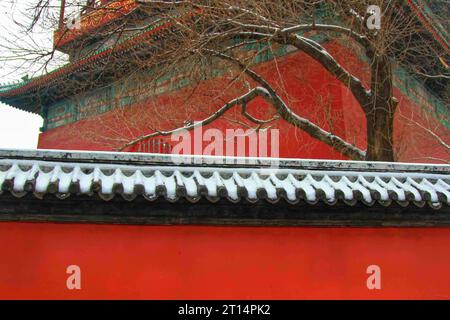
<point x="242" y="100"/>
<point x="318" y="53"/>
<point x="286" y="113"/>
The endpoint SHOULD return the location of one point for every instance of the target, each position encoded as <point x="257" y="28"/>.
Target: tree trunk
<point x="62" y="15"/>
<point x="380" y="129"/>
<point x="380" y="113"/>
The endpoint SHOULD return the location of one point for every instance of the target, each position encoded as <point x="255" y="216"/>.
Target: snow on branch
<point x="321" y="55"/>
<point x="242" y="100"/>
<point x="270" y="95"/>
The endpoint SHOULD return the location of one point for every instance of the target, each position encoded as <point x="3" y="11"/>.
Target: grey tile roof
<point x="109" y="175"/>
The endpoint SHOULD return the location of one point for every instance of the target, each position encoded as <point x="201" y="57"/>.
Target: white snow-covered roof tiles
<point x="109" y="175"/>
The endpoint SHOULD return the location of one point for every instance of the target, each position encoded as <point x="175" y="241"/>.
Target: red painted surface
<point x="191" y="262"/>
<point x="309" y="90"/>
<point x="180" y="262"/>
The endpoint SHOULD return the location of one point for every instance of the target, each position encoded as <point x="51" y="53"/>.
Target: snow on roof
<point x="132" y="175"/>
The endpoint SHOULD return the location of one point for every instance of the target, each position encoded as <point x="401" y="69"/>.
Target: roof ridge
<point x="152" y="28"/>
<point x="143" y="159"/>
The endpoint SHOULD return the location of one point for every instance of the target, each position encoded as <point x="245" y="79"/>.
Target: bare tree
<point x="206" y="35"/>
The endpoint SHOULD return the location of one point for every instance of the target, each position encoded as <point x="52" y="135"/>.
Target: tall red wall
<point x="308" y="89"/>
<point x="193" y="262"/>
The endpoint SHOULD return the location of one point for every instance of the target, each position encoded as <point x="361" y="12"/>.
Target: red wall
<point x="192" y="262"/>
<point x="309" y="90"/>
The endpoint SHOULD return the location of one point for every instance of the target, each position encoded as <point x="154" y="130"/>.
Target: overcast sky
<point x="18" y="129"/>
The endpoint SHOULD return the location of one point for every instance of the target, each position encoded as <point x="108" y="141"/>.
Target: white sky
<point x="18" y="129"/>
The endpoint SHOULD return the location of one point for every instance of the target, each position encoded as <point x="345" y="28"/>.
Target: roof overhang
<point x="23" y="95"/>
<point x="92" y="22"/>
<point x="137" y="188"/>
<point x="422" y="10"/>
<point x="32" y="93"/>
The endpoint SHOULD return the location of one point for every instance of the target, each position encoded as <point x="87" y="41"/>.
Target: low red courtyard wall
<point x="193" y="262"/>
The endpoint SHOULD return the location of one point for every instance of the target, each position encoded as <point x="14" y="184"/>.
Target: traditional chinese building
<point x="147" y="226"/>
<point x="91" y="103"/>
